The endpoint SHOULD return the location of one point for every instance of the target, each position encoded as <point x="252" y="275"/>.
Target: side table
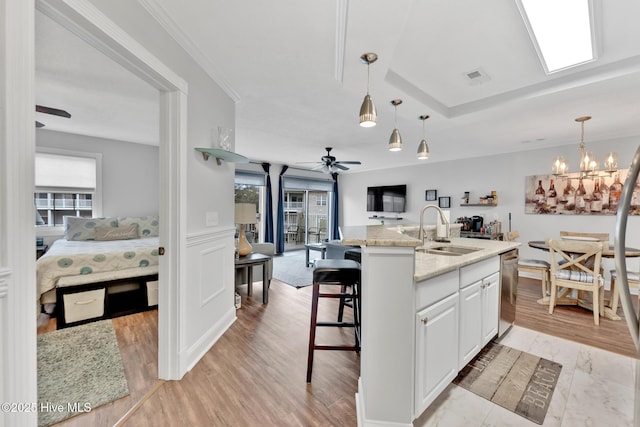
<point x="248" y="262"/>
<point x="321" y="247"/>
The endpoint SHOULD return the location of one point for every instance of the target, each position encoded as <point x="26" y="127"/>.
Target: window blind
<point x="301" y="183"/>
<point x="249" y="178"/>
<point x="55" y="172"/>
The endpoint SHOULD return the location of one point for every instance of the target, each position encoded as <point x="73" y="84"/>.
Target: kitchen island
<point x="424" y="315"/>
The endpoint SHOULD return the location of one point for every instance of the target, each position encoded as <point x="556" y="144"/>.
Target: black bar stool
<point x="354" y="254"/>
<point x="341" y="272"/>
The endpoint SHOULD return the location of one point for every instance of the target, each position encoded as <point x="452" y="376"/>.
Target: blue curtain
<point x="280" y="227"/>
<point x="335" y="210"/>
<point x="268" y="218"/>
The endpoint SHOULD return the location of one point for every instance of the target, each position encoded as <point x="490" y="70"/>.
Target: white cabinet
<point x="436" y="350"/>
<point x="471" y="329"/>
<point x="490" y="307"/>
<point x="479" y="304"/>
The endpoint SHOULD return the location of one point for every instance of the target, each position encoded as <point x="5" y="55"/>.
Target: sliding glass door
<point x="306" y="211"/>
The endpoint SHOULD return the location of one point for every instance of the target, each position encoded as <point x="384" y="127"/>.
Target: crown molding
<point x="166" y="22"/>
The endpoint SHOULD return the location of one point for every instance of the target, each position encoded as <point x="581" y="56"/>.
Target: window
<point x="321" y="200"/>
<point x="249" y="188"/>
<point x="66" y="183"/>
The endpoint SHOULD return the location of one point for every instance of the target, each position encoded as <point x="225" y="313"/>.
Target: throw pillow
<point x="147" y="225"/>
<point x="78" y="228"/>
<point x="117" y="233"/>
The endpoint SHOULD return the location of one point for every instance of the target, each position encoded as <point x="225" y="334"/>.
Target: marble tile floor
<point x="595" y="388"/>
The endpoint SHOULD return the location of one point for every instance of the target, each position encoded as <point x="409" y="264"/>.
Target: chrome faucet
<point x="442" y="218"/>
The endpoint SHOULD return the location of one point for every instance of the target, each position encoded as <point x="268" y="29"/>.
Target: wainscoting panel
<point x="208" y="297"/>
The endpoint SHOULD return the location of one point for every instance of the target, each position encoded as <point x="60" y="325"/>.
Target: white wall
<point x="129" y="171"/>
<point x="504" y="174"/>
<point x="207" y="291"/>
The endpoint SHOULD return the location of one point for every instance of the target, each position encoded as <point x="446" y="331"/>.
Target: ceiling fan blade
<point x="53" y="111"/>
<point x="39" y="125"/>
<point x="318" y="167"/>
<point x="349" y="162"/>
<point x="339" y="166"/>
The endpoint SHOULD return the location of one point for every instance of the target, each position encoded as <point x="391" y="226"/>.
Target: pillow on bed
<point x="122" y="232"/>
<point x="147" y="225"/>
<point x="77" y="228"/>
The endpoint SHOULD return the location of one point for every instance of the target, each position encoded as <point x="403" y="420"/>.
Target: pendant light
<point x="368" y="113"/>
<point x="423" y="148"/>
<point x="395" y="141"/>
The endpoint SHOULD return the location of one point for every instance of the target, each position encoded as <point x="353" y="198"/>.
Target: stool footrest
<point x="336" y="324"/>
<point x="337" y="347"/>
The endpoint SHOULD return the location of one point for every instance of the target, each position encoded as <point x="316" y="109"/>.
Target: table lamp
<point x="245" y="214"/>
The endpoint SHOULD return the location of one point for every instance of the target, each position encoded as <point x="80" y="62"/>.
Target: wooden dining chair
<point x="576" y="265"/>
<point x="535" y="266"/>
<point x="634" y="282"/>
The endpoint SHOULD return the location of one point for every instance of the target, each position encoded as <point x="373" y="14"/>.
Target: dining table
<point x="564" y="299"/>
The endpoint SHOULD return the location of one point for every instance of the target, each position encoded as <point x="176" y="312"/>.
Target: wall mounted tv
<point x="387" y="198"/>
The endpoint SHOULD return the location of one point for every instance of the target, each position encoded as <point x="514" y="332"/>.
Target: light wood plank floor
<point x="255" y="373"/>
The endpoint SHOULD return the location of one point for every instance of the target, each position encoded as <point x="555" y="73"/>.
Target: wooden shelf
<point x="486" y="205"/>
<point x="227" y="156"/>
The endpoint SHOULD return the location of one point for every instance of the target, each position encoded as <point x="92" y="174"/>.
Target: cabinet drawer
<point x="435" y="289"/>
<point x="480" y="270"/>
<point x="152" y="293"/>
<point x="83" y="305"/>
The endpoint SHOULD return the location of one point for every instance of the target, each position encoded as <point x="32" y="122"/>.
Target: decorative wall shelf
<point x="486" y="205"/>
<point x="227" y="156"/>
<point x="386" y="217"/>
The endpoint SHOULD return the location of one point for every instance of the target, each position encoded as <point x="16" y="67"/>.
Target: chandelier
<point x="589" y="165"/>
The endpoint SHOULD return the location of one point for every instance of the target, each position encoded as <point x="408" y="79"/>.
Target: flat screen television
<point x="387" y="198"/>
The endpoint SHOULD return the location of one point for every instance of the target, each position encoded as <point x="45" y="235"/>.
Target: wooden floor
<point x="571" y="322"/>
<point x="255" y="373"/>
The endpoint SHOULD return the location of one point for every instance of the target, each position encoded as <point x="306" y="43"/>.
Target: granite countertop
<point x="426" y="265"/>
<point x="431" y="265"/>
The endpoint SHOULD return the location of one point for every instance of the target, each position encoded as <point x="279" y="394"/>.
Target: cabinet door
<point x="470" y="323"/>
<point x="490" y="307"/>
<point x="436" y="350"/>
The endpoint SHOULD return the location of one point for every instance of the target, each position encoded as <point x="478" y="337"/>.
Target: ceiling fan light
<point x="395" y="141"/>
<point x="368" y="115"/>
<point x="423" y="150"/>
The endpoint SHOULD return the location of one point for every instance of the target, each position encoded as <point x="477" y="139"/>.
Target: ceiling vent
<point x="476" y="77"/>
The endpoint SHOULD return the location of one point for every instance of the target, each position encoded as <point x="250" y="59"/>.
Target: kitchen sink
<point x="448" y="250"/>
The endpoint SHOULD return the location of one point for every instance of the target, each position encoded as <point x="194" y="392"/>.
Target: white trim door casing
<point x="94" y="27"/>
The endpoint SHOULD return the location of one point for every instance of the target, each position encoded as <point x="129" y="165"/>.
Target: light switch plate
<point x="211" y="219"/>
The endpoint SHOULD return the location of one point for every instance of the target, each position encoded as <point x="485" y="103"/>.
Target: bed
<point x="105" y="272"/>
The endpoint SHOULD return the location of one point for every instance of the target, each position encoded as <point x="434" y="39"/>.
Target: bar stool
<point x="354" y="254"/>
<point x="341" y="272"/>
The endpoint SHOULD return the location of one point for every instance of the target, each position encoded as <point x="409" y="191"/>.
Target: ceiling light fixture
<point x="423" y="148"/>
<point x="368" y="113"/>
<point x="561" y="31"/>
<point x="589" y="165"/>
<point x="395" y="141"/>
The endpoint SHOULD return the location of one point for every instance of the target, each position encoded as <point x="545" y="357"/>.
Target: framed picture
<point x="444" y="202"/>
<point x="431" y="195"/>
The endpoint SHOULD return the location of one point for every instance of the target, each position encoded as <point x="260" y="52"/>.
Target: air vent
<point x="476" y="77"/>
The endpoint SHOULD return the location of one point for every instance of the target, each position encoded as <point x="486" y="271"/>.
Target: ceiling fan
<point x="329" y="164"/>
<point x="49" y="110"/>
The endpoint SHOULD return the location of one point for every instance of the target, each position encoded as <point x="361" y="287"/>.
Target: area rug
<point x="518" y="381"/>
<point x="79" y="369"/>
<point x="290" y="268"/>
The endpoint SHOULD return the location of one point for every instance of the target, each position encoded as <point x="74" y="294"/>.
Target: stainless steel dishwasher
<point x="508" y="290"/>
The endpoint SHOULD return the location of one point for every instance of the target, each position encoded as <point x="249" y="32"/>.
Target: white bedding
<point x="74" y="258"/>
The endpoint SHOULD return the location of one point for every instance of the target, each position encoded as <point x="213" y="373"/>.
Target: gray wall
<point x="129" y="171"/>
<point x="504" y="173"/>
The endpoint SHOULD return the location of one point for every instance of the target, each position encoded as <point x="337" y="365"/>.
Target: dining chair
<point x="534" y="266"/>
<point x="634" y="282"/>
<point x="576" y="265"/>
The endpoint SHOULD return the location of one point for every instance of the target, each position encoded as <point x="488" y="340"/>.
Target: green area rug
<point x="79" y="369"/>
<point x="518" y="381"/>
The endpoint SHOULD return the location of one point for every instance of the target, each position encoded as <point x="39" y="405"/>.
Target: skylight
<point x="561" y="31"/>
